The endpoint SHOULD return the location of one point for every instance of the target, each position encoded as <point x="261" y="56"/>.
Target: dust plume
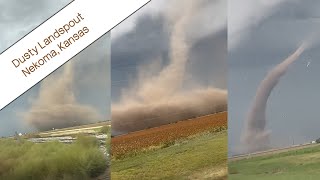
<point x="135" y="115"/>
<point x="171" y="78"/>
<point x="159" y="99"/>
<point x="255" y="136"/>
<point x="56" y="105"/>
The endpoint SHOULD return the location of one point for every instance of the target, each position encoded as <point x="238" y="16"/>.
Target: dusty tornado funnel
<point x="255" y="136"/>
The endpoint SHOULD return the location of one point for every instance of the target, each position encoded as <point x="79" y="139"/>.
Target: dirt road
<point x="271" y="151"/>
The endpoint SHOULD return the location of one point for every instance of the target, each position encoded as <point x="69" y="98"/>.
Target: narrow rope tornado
<point x="256" y="137"/>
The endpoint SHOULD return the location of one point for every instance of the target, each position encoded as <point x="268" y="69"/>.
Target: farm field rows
<point x="194" y="149"/>
<point x="166" y="134"/>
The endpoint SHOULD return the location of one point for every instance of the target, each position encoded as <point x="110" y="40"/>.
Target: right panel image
<point x="273" y="52"/>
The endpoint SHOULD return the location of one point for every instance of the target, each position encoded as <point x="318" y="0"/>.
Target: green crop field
<point x="202" y="156"/>
<point x="291" y="165"/>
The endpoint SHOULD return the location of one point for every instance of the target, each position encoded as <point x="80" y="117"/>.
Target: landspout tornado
<point x="161" y="99"/>
<point x="255" y="136"/>
<point x="56" y="105"/>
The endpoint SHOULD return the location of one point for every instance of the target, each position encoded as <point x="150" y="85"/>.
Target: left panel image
<point x="58" y="129"/>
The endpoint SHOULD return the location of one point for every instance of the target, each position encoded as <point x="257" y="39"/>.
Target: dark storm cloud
<point x="149" y="38"/>
<point x="301" y="10"/>
<point x="275" y="37"/>
<point x="208" y="60"/>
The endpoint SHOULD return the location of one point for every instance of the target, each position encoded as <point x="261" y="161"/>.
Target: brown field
<point x="166" y="134"/>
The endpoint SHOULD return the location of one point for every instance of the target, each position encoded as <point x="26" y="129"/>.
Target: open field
<point x="166" y="134"/>
<point x="200" y="152"/>
<point x="300" y="162"/>
<point x="89" y="129"/>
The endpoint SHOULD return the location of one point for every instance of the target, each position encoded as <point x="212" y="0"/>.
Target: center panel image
<point x="169" y="97"/>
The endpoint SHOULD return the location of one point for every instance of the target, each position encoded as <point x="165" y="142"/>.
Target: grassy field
<point x="201" y="155"/>
<point x="46" y="156"/>
<point x="21" y="159"/>
<point x="291" y="165"/>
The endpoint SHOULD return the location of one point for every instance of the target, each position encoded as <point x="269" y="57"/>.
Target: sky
<point x="261" y="34"/>
<point x="91" y="67"/>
